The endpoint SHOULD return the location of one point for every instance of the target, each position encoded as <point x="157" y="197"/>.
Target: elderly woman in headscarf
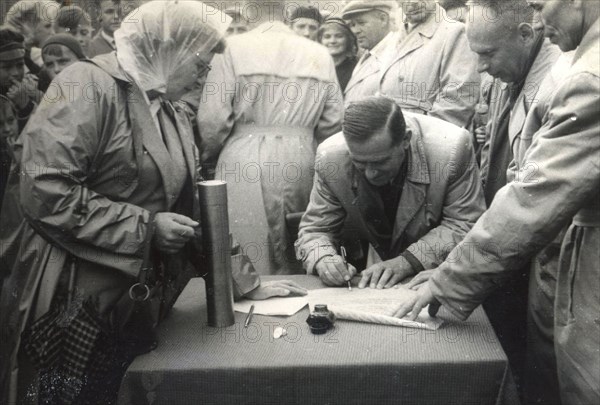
<point x="108" y="178"/>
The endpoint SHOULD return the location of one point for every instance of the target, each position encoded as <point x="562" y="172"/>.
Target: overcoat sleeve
<point x="330" y="121"/>
<point x="459" y="81"/>
<point x="61" y="147"/>
<point x="321" y="224"/>
<point x="216" y="116"/>
<point x="463" y="205"/>
<point x="527" y="215"/>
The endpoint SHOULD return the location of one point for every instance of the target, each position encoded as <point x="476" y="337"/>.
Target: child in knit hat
<point x="60" y="51"/>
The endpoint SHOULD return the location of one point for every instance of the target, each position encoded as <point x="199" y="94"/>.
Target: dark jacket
<point x="82" y="156"/>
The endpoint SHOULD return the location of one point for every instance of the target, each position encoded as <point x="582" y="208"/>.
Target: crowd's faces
<point x="237" y="27"/>
<point x="335" y="40"/>
<point x="502" y="51"/>
<point x="9" y="126"/>
<point x="188" y="77"/>
<point x="306" y="27"/>
<point x="82" y="33"/>
<point x="11" y="72"/>
<point x="369" y="28"/>
<point x="378" y="158"/>
<point x="55" y="64"/>
<point x="417" y="11"/>
<point x="562" y="21"/>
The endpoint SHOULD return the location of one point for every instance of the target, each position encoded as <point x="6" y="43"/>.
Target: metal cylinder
<point x="216" y="244"/>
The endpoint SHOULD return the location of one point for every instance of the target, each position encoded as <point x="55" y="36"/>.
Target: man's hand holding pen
<point x="334" y="271"/>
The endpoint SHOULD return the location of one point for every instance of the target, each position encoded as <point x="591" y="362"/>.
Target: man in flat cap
<point x="426" y="68"/>
<point x="305" y="21"/>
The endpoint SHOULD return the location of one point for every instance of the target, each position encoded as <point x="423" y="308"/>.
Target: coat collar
<point x="378" y="59"/>
<point x="146" y="135"/>
<point x="414" y="39"/>
<point x="590" y="40"/>
<point x="413" y="193"/>
<point x="544" y="59"/>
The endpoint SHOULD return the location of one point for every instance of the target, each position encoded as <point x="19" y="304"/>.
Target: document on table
<point x="370" y="305"/>
<point x="363" y="305"/>
<point x="272" y="306"/>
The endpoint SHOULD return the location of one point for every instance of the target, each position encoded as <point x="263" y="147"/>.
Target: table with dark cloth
<point x="356" y="363"/>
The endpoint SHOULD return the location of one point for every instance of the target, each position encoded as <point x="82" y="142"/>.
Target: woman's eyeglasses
<point x="203" y="67"/>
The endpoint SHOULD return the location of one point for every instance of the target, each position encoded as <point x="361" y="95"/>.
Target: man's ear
<point x="384" y="17"/>
<point x="526" y="33"/>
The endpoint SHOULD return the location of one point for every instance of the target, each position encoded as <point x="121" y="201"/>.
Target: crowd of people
<point x="450" y="147"/>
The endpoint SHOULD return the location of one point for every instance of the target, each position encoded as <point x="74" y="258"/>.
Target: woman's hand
<point x="281" y="288"/>
<point x="173" y="231"/>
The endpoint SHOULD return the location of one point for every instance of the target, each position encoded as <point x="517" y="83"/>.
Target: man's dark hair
<point x="364" y="117"/>
<point x="72" y="16"/>
<point x="305" y="12"/>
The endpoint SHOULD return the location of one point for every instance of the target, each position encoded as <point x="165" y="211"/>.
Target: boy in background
<point x="112" y="13"/>
<point x="73" y="20"/>
<point x="60" y="51"/>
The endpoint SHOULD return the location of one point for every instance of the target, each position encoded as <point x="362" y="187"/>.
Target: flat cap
<point x="362" y="6"/>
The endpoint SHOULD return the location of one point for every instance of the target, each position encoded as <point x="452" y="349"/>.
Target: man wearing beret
<point x="426" y="68"/>
<point x="305" y="21"/>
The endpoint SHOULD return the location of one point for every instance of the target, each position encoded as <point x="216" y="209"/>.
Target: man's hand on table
<point x="417" y="302"/>
<point x="279" y="288"/>
<point x="386" y="274"/>
<point x="420" y="279"/>
<point x="333" y="272"/>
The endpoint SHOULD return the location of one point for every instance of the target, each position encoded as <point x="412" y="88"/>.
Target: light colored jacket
<point x="431" y="70"/>
<point x="99" y="46"/>
<point x="497" y="153"/>
<point x="525" y="216"/>
<point x="440" y="202"/>
<point x="268" y="101"/>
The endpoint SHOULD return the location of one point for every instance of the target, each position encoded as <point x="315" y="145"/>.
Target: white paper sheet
<point x="362" y="305"/>
<point x="370" y="305"/>
<point x="272" y="306"/>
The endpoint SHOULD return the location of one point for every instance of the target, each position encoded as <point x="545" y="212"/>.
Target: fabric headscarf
<point x="157" y="38"/>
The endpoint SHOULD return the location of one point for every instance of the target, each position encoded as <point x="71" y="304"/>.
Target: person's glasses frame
<point x="204" y="67"/>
